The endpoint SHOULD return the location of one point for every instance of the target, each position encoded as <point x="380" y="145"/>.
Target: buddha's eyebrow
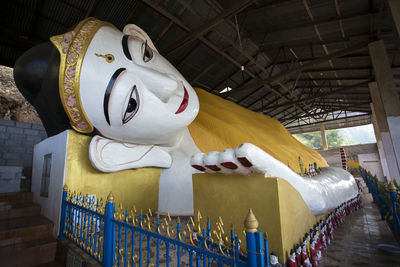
<point x="107" y="93"/>
<point x="125" y="47"/>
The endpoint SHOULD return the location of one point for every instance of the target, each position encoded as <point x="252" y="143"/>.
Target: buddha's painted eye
<point x="147" y="52"/>
<point x="132" y="106"/>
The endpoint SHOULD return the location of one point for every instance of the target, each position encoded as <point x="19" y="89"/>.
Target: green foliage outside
<point x="314" y="140"/>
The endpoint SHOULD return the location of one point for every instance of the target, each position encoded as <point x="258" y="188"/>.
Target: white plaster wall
<point x="371" y="162"/>
<point x="51" y="205"/>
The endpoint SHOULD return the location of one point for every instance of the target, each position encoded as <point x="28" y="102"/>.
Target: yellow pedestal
<point x="130" y="187"/>
<point x="278" y="207"/>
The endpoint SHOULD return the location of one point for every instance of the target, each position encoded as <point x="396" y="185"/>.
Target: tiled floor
<point x="356" y="241"/>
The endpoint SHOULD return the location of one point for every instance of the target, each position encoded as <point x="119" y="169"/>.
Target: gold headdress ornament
<point x="72" y="47"/>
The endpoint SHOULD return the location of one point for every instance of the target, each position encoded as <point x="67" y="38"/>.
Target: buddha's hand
<point x="245" y="159"/>
<point x="108" y="155"/>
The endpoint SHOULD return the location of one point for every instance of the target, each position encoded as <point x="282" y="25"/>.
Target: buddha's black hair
<point x="36" y="75"/>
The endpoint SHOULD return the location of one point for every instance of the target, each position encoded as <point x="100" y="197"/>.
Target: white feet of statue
<point x="321" y="193"/>
<point x="245" y="159"/>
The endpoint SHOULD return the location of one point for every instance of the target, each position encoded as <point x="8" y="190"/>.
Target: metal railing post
<point x="178" y="249"/>
<point x="251" y="225"/>
<point x="108" y="244"/>
<point x="266" y="253"/>
<point x="393" y="199"/>
<point x="63" y="213"/>
<point x="259" y="249"/>
<point x="236" y="251"/>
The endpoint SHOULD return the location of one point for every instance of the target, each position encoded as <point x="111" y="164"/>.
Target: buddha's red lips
<point x="184" y="103"/>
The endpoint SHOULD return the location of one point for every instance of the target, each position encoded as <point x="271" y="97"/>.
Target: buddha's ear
<point x="109" y="155"/>
<point x="134" y="30"/>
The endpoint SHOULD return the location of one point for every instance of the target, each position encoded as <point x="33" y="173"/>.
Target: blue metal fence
<point x="120" y="237"/>
<point x="387" y="197"/>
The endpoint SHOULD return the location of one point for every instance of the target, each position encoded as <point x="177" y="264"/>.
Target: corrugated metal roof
<point x="275" y="36"/>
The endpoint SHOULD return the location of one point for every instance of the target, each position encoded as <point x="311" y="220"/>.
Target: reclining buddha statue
<point x="140" y="112"/>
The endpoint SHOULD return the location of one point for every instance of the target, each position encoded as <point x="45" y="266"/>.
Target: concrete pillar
<point x="389" y="99"/>
<point x="323" y="137"/>
<point x="378" y="138"/>
<point x="384" y="137"/>
<point x="394" y="7"/>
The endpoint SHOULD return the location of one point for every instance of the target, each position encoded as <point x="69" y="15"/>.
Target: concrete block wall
<point x="368" y="157"/>
<point x="17" y="140"/>
<point x="10" y="178"/>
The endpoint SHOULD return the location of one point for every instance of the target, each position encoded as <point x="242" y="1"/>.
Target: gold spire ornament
<point x="72" y="47"/>
<point x="110" y="197"/>
<point x="251" y="222"/>
<point x="391" y="187"/>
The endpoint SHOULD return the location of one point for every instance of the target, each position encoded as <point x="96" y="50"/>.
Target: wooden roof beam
<point x="203" y="29"/>
<point x="344" y="88"/>
<point x="311" y="41"/>
<point x="318" y="122"/>
<point x="317" y="22"/>
<point x="299" y="68"/>
<point x="348" y="108"/>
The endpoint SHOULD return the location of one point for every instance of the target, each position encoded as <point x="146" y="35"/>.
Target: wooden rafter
<point x="203" y="29"/>
<point x="301" y="68"/>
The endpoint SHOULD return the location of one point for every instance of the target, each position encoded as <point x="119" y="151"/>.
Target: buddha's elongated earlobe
<point x="134" y="30"/>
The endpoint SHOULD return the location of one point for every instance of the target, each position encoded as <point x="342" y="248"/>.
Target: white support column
<point x="394" y="8"/>
<point x="323" y="137"/>
<point x="384" y="135"/>
<point x="378" y="138"/>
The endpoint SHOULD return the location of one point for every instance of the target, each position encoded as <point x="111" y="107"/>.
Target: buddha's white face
<point x="131" y="93"/>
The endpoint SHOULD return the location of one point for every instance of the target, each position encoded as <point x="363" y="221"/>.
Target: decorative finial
<point x="220" y="220"/>
<point x="110" y="197"/>
<point x="199" y="217"/>
<point x="65" y="188"/>
<point x="392" y="188"/>
<point x="301" y="166"/>
<point x="251" y="223"/>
